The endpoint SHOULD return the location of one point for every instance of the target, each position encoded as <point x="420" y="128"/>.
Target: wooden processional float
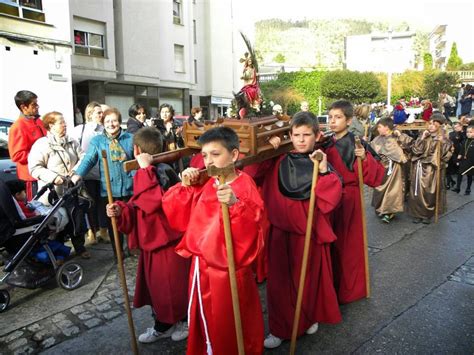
<point x="254" y="135"/>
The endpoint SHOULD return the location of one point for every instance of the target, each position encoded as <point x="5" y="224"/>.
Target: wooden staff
<point x="464" y="173"/>
<point x="118" y="249"/>
<point x="438" y="179"/>
<point x="364" y="225"/>
<point x="222" y="173"/>
<point x="304" y="264"/>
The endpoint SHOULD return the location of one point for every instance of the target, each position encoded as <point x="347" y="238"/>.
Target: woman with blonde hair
<point x="83" y="134"/>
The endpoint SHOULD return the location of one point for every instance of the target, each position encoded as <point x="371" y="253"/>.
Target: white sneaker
<point x="180" y="332"/>
<point x="272" y="342"/>
<point x="151" y="335"/>
<point x="313" y="329"/>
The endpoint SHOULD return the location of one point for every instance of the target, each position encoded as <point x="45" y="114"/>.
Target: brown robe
<point x="388" y="198"/>
<point x="422" y="198"/>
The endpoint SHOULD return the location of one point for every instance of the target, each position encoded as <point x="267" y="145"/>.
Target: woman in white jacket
<point x="52" y="159"/>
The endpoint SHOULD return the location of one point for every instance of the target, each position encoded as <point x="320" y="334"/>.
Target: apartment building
<point x="120" y="52"/>
<point x="153" y="52"/>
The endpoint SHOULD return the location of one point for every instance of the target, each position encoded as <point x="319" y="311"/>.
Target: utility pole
<point x="389" y="72"/>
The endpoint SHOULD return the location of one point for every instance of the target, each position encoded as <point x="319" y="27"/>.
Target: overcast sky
<point x="423" y="14"/>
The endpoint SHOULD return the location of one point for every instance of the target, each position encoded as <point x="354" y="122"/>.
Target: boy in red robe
<point x="286" y="191"/>
<point x="348" y="254"/>
<point x="161" y="273"/>
<point x="195" y="209"/>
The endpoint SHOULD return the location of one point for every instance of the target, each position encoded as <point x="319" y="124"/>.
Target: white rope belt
<point x="417" y="176"/>
<point x="191" y="297"/>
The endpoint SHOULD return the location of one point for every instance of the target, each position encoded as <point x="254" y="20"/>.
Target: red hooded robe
<point x="196" y="211"/>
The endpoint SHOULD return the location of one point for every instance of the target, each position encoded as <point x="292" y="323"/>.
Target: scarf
<point x="116" y="151"/>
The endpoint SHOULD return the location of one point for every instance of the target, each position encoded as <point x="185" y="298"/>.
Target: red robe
<point x="348" y="254"/>
<point x="285" y="253"/>
<point x="161" y="273"/>
<point x="196" y="211"/>
<point x="260" y="265"/>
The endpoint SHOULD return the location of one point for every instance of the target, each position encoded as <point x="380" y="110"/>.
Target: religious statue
<point x="249" y="97"/>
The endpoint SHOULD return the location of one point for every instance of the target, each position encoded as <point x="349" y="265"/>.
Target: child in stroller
<point x="24" y="238"/>
<point x="35" y="208"/>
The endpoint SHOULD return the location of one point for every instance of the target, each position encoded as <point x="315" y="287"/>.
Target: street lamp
<point x="389" y="71"/>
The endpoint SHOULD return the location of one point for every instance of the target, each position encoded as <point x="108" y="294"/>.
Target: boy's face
<point x="303" y="139"/>
<point x="470" y="132"/>
<point x="338" y="122"/>
<point x="20" y="196"/>
<point x="433" y="126"/>
<point x="383" y="130"/>
<point x="214" y="153"/>
<point x="458" y="127"/>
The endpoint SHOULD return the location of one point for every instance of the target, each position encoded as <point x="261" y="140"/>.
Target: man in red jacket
<point x="23" y="133"/>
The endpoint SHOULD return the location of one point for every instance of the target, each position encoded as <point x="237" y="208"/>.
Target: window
<point x="194" y="32"/>
<point x="177" y="12"/>
<point x="89" y="43"/>
<point x="179" y="58"/>
<point x="28" y="9"/>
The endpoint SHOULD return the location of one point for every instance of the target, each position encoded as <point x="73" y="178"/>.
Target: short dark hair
<point x="15" y="186"/>
<point x="112" y="110"/>
<point x="169" y="108"/>
<point x="149" y="140"/>
<point x="305" y="118"/>
<point x="24" y="97"/>
<point x="438" y="117"/>
<point x="224" y="135"/>
<point x="345" y="106"/>
<point x="386" y="122"/>
<point x="133" y="110"/>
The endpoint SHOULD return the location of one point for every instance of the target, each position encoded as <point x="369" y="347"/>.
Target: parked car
<point x="7" y="167"/>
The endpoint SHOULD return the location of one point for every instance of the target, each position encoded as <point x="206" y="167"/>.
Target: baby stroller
<point x="23" y="237"/>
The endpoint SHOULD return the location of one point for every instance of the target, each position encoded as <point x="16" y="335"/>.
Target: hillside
<point x="317" y="43"/>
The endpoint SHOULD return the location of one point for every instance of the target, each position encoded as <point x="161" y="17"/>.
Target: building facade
<point x="35" y="55"/>
<point x="380" y="52"/>
<point x="441" y="41"/>
<point x="119" y="52"/>
<point x="154" y="52"/>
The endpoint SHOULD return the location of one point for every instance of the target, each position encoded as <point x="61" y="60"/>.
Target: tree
<point x="427" y="61"/>
<point x="454" y="60"/>
<point x="436" y="81"/>
<point x="279" y="58"/>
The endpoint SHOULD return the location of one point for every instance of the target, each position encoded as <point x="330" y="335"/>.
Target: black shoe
<point x="417" y="220"/>
<point x="468" y="192"/>
<point x="426" y="221"/>
<point x="456" y="190"/>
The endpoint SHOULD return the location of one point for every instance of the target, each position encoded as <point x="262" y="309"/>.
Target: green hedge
<point x="358" y="87"/>
<point x="351" y="85"/>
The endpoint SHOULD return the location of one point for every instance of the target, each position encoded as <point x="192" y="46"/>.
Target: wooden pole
<point x="233" y="280"/>
<point x="118" y="249"/>
<point x="364" y="225"/>
<point x="438" y="179"/>
<point x="304" y="264"/>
